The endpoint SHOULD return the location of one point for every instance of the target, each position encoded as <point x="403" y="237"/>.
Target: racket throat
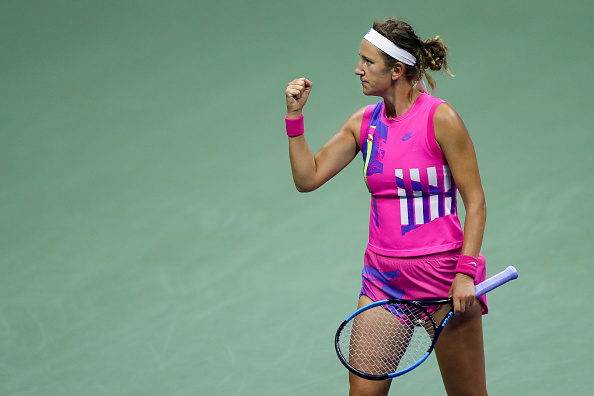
<point x="447" y="318"/>
<point x="441" y="326"/>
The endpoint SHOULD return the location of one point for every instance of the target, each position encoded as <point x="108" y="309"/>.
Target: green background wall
<point x="152" y="242"/>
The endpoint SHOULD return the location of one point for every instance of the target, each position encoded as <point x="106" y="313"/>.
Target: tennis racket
<point x="389" y="338"/>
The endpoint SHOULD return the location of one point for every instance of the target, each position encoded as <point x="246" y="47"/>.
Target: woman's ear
<point x="397" y="71"/>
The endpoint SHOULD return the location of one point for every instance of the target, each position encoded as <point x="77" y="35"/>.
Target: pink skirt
<point x="415" y="278"/>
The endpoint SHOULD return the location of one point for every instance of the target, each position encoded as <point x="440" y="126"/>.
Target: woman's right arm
<point x="311" y="171"/>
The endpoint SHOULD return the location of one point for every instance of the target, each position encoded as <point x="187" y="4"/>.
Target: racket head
<point x="386" y="339"/>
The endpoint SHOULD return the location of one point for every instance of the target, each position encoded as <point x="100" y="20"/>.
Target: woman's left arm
<point x="454" y="140"/>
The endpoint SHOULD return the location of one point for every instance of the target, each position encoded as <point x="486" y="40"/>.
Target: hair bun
<point x="434" y="54"/>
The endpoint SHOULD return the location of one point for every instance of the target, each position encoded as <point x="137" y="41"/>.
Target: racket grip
<point x="510" y="273"/>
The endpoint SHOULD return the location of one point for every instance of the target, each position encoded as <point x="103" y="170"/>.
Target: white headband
<point x="390" y="48"/>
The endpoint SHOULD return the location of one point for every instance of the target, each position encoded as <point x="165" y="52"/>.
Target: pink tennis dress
<point x="413" y="217"/>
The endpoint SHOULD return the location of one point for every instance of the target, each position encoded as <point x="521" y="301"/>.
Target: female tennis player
<point x="416" y="153"/>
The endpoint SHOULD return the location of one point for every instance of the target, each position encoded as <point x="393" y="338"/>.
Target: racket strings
<point x="386" y="339"/>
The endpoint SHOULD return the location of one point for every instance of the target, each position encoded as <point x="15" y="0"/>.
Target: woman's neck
<point x="399" y="103"/>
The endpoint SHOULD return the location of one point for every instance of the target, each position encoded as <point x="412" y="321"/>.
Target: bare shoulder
<point x="352" y="125"/>
<point x="445" y="116"/>
<point x="448" y="124"/>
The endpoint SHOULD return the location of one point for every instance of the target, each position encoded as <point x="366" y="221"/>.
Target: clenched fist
<point x="296" y="94"/>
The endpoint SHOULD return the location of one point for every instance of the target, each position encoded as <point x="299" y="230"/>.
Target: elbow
<point x="481" y="208"/>
<point x="303" y="188"/>
<point x="478" y="208"/>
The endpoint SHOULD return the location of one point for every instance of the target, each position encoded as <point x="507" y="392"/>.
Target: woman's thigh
<point x="360" y="386"/>
<point x="460" y="353"/>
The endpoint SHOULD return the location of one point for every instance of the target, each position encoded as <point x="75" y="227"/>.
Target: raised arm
<point x="311" y="171"/>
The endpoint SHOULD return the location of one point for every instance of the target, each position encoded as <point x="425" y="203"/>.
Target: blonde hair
<point x="430" y="54"/>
